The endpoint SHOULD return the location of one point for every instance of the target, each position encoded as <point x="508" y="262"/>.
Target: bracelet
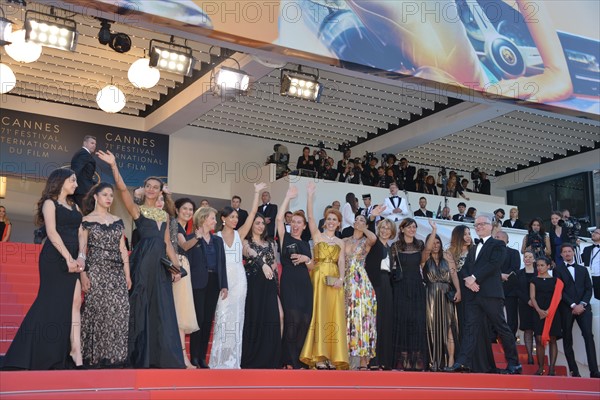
<point x="82" y="256"/>
<point x="308" y="262"/>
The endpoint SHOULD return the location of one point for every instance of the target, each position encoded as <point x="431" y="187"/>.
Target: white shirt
<point x="595" y="261"/>
<point x="347" y="216"/>
<point x="480" y="245"/>
<point x="389" y="209"/>
<point x="571" y="269"/>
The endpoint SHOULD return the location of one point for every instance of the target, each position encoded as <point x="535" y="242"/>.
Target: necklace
<point x="329" y="238"/>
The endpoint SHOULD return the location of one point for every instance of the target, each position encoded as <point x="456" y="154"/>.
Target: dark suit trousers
<point x="585" y="324"/>
<point x="476" y="310"/>
<point x="596" y="284"/>
<point x="205" y="302"/>
<point x="512" y="313"/>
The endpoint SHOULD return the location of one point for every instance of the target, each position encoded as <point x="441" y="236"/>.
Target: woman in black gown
<point x="261" y="341"/>
<point x="377" y="265"/>
<point x="296" y="287"/>
<point x="410" y="333"/>
<point x="153" y="331"/>
<point x="46" y="338"/>
<point x="526" y="312"/>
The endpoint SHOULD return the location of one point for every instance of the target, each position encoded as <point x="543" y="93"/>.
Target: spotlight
<point x="50" y="30"/>
<point x="104" y="34"/>
<point x="120" y="42"/>
<point x="5" y="30"/>
<point x="171" y="57"/>
<point x="230" y="82"/>
<point x="300" y="84"/>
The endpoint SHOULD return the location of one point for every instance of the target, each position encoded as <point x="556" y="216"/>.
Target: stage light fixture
<point x="5" y="30"/>
<point x="142" y="75"/>
<point x="119" y="42"/>
<point x="230" y="82"/>
<point x="22" y="51"/>
<point x="50" y="30"/>
<point x="111" y="99"/>
<point x="8" y="80"/>
<point x="171" y="57"/>
<point x="300" y="84"/>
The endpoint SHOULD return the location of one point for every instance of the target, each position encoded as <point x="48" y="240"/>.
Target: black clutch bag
<point x="397" y="273"/>
<point x="171" y="268"/>
<point x="450" y="295"/>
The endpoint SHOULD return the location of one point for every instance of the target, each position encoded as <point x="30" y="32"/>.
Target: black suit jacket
<point x="512" y="263"/>
<point x="458" y="217"/>
<point x="419" y="213"/>
<point x="518" y="224"/>
<point x="270" y="212"/>
<point x="84" y="166"/>
<point x="198" y="267"/>
<point x="586" y="256"/>
<point x="486" y="269"/>
<point x="574" y="291"/>
<point x="242" y="217"/>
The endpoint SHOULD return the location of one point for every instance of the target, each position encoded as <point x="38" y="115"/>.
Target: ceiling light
<point x="8" y="80"/>
<point x="104" y="33"/>
<point x="22" y="51"/>
<point x="111" y="99"/>
<point x="230" y="82"/>
<point x="300" y="84"/>
<point x="142" y="75"/>
<point x="119" y="42"/>
<point x="171" y="57"/>
<point x="5" y="30"/>
<point x="50" y="30"/>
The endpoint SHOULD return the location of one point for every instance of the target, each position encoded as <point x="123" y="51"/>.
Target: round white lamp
<point x="8" y="80"/>
<point x="22" y="51"/>
<point x="111" y="99"/>
<point x="142" y="75"/>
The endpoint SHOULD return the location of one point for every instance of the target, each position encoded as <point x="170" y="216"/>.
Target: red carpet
<point x="18" y="287"/>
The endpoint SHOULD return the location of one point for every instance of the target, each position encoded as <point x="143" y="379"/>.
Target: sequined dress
<point x="326" y="339"/>
<point x="361" y="304"/>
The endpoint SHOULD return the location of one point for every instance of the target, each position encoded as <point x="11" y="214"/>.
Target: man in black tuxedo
<point x="406" y="176"/>
<point x="84" y="166"/>
<point x="575" y="306"/>
<point x="209" y="282"/>
<point x="591" y="259"/>
<point x="462" y="207"/>
<point x="423" y="211"/>
<point x="509" y="269"/>
<point x="484" y="297"/>
<point x="269" y="211"/>
<point x="236" y="201"/>
<point x="366" y="212"/>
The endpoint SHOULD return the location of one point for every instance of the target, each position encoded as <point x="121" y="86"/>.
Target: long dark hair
<point x="542" y="230"/>
<point x="225" y="213"/>
<point x="89" y="203"/>
<point x="401" y="243"/>
<point x="51" y="191"/>
<point x="457" y="241"/>
<point x="263" y="236"/>
<point x="351" y="198"/>
<point x="441" y="252"/>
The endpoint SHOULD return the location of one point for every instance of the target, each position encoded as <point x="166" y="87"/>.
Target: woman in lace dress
<point x="105" y="316"/>
<point x="261" y="342"/>
<point x="326" y="345"/>
<point x="153" y="334"/>
<point x="361" y="302"/>
<point x="226" y="350"/>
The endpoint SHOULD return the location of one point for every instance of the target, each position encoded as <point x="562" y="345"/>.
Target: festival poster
<point x="33" y="145"/>
<point x="545" y="53"/>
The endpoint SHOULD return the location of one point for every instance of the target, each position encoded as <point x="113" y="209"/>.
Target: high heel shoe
<point x="540" y="371"/>
<point x="530" y="360"/>
<point x="551" y="371"/>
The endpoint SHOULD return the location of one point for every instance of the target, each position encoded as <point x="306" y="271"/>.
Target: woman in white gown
<point x="226" y="351"/>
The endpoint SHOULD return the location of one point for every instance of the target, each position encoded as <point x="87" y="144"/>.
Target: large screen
<point x="543" y="52"/>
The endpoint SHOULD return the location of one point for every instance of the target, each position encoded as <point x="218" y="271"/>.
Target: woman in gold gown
<point x="326" y="345"/>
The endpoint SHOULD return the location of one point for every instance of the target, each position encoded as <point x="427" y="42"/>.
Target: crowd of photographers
<point x="371" y="171"/>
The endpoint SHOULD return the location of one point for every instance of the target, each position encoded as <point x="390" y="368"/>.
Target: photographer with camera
<point x="369" y="173"/>
<point x="420" y="181"/>
<point x="558" y="236"/>
<point x="305" y="162"/>
<point x="536" y="240"/>
<point x="329" y="173"/>
<point x="406" y="176"/>
<point x="320" y="157"/>
<point x="341" y="165"/>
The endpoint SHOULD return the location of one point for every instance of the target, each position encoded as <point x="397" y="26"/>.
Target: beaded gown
<point x="105" y="312"/>
<point x="43" y="339"/>
<point x="153" y="333"/>
<point x="326" y="339"/>
<point x="361" y="304"/>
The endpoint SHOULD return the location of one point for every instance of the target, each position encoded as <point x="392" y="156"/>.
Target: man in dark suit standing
<point x="591" y="259"/>
<point x="84" y="166"/>
<point x="509" y="269"/>
<point x="575" y="306"/>
<point x="423" y="211"/>
<point x="484" y="297"/>
<point x="366" y="212"/>
<point x="236" y="201"/>
<point x="269" y="211"/>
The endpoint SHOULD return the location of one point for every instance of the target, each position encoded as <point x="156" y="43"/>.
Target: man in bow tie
<point x="591" y="259"/>
<point x="461" y="212"/>
<point x="484" y="298"/>
<point x="269" y="211"/>
<point x="395" y="206"/>
<point x="575" y="306"/>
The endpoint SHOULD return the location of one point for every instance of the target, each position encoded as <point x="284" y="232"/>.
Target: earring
<point x="95" y="204"/>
